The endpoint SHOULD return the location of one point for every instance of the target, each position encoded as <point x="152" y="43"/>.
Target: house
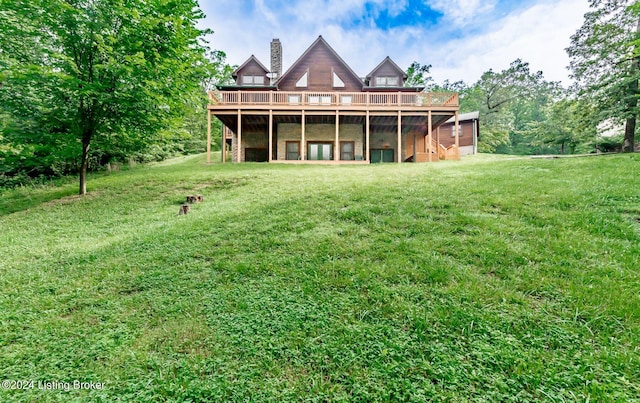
<point x="468" y="133"/>
<point x="321" y="111"/>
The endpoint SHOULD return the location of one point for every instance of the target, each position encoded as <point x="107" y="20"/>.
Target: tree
<point x="110" y="71"/>
<point x="509" y="102"/>
<point x="418" y="75"/>
<point x="515" y="83"/>
<point x="605" y="61"/>
<point x="567" y="124"/>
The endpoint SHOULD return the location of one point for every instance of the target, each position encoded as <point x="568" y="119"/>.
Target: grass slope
<point x="474" y="280"/>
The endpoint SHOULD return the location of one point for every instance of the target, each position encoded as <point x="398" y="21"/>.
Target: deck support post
<point x="224" y="129"/>
<point x="208" y="136"/>
<point x="336" y="153"/>
<point x="303" y="147"/>
<point x="270" y="156"/>
<point x="367" y="136"/>
<point x="430" y="133"/>
<point x="239" y="145"/>
<point x="457" y="123"/>
<point x="438" y="141"/>
<point x="399" y="150"/>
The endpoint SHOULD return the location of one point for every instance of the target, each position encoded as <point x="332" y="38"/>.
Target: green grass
<point x="481" y="280"/>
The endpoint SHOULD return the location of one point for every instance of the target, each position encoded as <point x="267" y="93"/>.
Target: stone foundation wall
<point x="249" y="140"/>
<point x="319" y="132"/>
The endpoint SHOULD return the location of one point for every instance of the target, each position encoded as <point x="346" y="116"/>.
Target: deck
<point x="351" y="101"/>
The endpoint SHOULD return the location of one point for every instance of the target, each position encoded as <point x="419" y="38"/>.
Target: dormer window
<point x="252" y="80"/>
<point x="387" y="81"/>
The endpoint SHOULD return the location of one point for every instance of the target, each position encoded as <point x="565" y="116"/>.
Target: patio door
<point x="381" y="155"/>
<point x="320" y="151"/>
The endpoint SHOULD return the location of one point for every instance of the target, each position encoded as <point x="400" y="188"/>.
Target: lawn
<point x="479" y="280"/>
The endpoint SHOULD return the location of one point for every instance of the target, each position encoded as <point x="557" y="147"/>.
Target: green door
<point x="381" y="155"/>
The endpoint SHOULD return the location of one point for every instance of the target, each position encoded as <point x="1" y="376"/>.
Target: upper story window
<point x="302" y="82"/>
<point x="252" y="80"/>
<point x="337" y="82"/>
<point x="387" y="81"/>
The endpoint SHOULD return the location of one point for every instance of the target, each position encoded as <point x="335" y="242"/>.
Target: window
<point x="252" y="80"/>
<point x="453" y="130"/>
<point x="346" y="99"/>
<point x="337" y="82"/>
<point x="319" y="99"/>
<point x="346" y="150"/>
<point x="302" y="82"/>
<point x="293" y="150"/>
<point x="294" y="99"/>
<point x="387" y="81"/>
<point x="320" y="151"/>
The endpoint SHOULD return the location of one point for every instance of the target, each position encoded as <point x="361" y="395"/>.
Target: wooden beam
<point x="438" y="141"/>
<point x="336" y="152"/>
<point x="239" y="142"/>
<point x="399" y="151"/>
<point x="270" y="156"/>
<point x="367" y="138"/>
<point x="457" y="134"/>
<point x="430" y="132"/>
<point x="303" y="146"/>
<point x="224" y="143"/>
<point x="208" y="136"/>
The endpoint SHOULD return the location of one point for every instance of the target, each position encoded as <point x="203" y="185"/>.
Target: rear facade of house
<point x="321" y="111"/>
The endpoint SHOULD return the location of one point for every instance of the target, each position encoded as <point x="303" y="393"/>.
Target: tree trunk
<point x="629" y="143"/>
<point x="629" y="135"/>
<point x="86" y="141"/>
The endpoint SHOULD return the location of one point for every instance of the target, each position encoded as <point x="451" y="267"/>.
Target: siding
<point x="252" y="69"/>
<point x="320" y="61"/>
<point x="466" y="138"/>
<point x="386" y="70"/>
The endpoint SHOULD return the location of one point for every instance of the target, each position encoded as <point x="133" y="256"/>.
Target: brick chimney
<point x="276" y="57"/>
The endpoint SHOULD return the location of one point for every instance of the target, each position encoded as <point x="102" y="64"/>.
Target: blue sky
<point x="460" y="38"/>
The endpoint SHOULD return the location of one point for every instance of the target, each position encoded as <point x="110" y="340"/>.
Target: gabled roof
<point x="320" y="42"/>
<point x="393" y="64"/>
<point x="249" y="60"/>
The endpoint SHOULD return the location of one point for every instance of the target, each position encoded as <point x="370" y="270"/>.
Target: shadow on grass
<point x="24" y="198"/>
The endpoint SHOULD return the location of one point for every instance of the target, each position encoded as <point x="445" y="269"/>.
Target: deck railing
<point x="286" y="98"/>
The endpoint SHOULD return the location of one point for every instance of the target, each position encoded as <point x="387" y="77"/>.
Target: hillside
<point x="481" y="279"/>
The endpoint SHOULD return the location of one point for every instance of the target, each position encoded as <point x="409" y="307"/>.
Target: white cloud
<point x="538" y="35"/>
<point x="461" y="11"/>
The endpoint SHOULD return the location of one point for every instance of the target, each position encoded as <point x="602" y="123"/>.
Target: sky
<point x="461" y="39"/>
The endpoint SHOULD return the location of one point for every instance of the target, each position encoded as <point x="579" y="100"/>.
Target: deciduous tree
<point x="101" y="70"/>
<point x="605" y="61"/>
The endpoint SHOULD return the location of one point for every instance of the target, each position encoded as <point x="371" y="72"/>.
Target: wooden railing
<point x="286" y="98"/>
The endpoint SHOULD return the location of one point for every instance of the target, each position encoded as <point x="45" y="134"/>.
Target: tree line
<point x="522" y="113"/>
<point x="84" y="83"/>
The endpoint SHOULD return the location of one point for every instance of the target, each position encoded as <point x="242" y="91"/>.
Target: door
<point x="293" y="150"/>
<point x="320" y="151"/>
<point x="381" y="155"/>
